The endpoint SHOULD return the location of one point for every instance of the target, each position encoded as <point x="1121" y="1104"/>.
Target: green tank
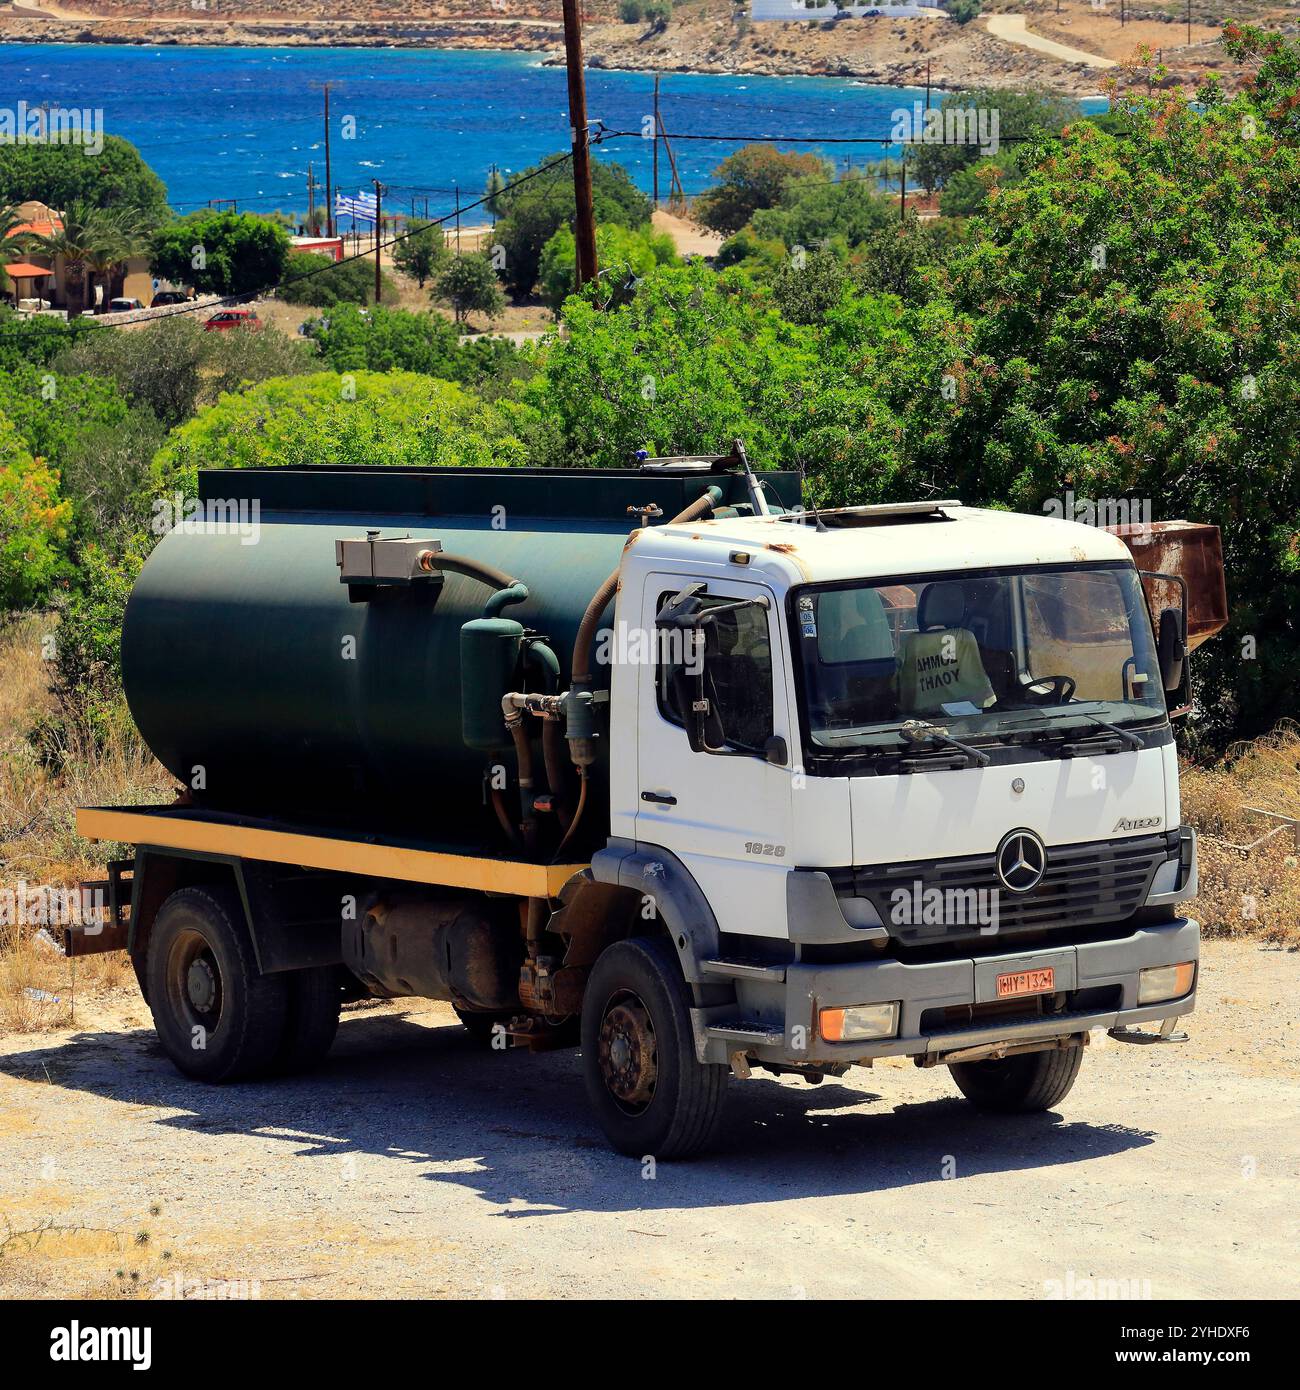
<point x="281" y="673"/>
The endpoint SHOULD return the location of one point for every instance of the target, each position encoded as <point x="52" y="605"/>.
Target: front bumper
<point x="943" y="1004"/>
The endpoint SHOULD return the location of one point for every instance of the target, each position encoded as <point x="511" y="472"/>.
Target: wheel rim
<point x="194" y="985"/>
<point x="627" y="1053"/>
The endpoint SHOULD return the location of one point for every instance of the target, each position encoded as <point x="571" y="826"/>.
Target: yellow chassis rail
<point x="151" y="829"/>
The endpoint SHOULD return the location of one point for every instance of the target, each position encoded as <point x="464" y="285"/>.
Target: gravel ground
<point x="413" y="1164"/>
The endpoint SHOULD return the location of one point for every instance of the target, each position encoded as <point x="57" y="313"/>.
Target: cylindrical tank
<point x="261" y="683"/>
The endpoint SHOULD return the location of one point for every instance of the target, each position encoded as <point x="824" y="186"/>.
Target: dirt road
<point x="413" y="1164"/>
<point x="1011" y="28"/>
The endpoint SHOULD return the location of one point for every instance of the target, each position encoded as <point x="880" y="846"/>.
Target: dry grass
<point x="39" y="845"/>
<point x="1253" y="892"/>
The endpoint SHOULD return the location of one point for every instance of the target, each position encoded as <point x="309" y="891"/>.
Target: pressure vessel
<point x="272" y="688"/>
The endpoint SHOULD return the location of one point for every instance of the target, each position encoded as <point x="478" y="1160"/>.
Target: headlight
<point x="1160" y="982"/>
<point x="859" y="1022"/>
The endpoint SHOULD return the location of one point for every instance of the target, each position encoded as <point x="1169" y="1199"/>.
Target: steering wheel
<point x="1060" y="692"/>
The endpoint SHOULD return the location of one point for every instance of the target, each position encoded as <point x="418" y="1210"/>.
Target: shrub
<point x="33" y="522"/>
<point x="355" y="418"/>
<point x="319" y="282"/>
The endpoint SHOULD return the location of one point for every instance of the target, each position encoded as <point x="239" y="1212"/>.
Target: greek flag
<point x="362" y="207"/>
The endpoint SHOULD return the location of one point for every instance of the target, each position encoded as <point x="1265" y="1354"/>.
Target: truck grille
<point x="1084" y="885"/>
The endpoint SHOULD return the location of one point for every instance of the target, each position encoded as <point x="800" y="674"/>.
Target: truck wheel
<point x="1017" y="1085"/>
<point x="650" y="1094"/>
<point x="312" y="1018"/>
<point x="218" y="1017"/>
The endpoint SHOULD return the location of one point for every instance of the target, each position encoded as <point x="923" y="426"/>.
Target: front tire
<point x="651" y="1096"/>
<point x="1019" y="1085"/>
<point x="218" y="1017"/>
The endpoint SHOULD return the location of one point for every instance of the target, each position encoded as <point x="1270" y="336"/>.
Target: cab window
<point x="731" y="668"/>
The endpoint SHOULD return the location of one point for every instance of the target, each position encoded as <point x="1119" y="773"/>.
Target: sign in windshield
<point x="981" y="655"/>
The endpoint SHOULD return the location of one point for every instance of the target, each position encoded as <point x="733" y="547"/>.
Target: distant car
<point x="232" y="318"/>
<point x="169" y="297"/>
<point x="124" y="306"/>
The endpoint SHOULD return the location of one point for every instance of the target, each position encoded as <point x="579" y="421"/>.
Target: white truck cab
<point x="914" y="767"/>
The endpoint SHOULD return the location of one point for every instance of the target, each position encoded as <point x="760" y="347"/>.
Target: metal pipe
<point x="509" y="589"/>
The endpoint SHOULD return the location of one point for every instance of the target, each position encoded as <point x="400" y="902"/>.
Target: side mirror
<point x="1171" y="650"/>
<point x="776" y="752"/>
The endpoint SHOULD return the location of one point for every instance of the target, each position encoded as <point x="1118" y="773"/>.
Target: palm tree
<point x="9" y="250"/>
<point x="76" y="241"/>
<point x="117" y="235"/>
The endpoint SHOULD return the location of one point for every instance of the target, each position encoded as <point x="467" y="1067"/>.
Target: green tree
<point x="383" y="340"/>
<point x="319" y="282"/>
<point x="227" y="253"/>
<point x="359" y="418"/>
<point x="809" y="285"/>
<point x="61" y="175"/>
<point x="422" y="253"/>
<point x="811" y="211"/>
<point x="33" y="522"/>
<point x="50" y="411"/>
<point x="540" y="203"/>
<point x="751" y="179"/>
<point x="38" y="341"/>
<point x="624" y="255"/>
<point x="492" y="190"/>
<point x="950" y="142"/>
<point x="631" y="11"/>
<point x="966" y="189"/>
<point x="172" y="366"/>
<point x="469" y="285"/>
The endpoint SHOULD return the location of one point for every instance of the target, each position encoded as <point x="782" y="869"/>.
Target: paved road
<point x="1011" y="28"/>
<point x="413" y="1164"/>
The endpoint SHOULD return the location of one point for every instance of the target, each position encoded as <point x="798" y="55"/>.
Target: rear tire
<point x="218" y="1017"/>
<point x="1021" y="1084"/>
<point x="312" y="1018"/>
<point x="651" y="1096"/>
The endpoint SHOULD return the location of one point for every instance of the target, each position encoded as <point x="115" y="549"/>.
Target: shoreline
<point x="965" y="59"/>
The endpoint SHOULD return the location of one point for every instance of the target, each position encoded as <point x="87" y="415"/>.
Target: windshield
<point x="981" y="656"/>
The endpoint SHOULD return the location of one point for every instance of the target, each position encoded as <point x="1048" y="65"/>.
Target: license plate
<point x="1026" y="982"/>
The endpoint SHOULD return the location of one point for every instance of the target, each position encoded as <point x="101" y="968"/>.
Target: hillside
<point x="701" y="36"/>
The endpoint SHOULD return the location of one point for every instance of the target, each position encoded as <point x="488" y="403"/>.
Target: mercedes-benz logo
<point x="1021" y="861"/>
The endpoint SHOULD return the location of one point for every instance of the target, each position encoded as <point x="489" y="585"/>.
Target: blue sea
<point x="243" y="123"/>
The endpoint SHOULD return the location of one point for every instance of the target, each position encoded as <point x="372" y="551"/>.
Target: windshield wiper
<point x="917" y="731"/>
<point x="1102" y="741"/>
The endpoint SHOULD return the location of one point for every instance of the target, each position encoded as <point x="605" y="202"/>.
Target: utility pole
<point x="311" y="194"/>
<point x="1189" y="22"/>
<point x="902" y="199"/>
<point x="584" y="231"/>
<point x="656" y="151"/>
<point x="927" y="77"/>
<point x="379" y="193"/>
<point x="329" y="183"/>
<point x="456" y="190"/>
<point x="1122" y="18"/>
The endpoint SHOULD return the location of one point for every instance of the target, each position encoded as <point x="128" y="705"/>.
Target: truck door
<point x="723" y="810"/>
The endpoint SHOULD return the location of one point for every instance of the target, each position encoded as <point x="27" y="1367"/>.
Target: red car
<point x="232" y="318"/>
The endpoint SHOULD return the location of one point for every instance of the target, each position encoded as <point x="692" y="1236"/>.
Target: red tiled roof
<point x="37" y="228"/>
